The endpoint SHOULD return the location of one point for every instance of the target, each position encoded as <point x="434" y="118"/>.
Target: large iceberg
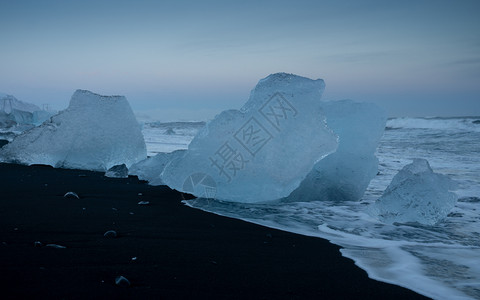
<point x="416" y="194"/>
<point x="261" y="152"/>
<point x="345" y="174"/>
<point x="95" y="133"/>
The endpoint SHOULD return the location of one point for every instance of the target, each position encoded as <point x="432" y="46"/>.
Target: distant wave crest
<point x="471" y="124"/>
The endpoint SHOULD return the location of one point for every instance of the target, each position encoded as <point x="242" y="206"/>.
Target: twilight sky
<point x="181" y="59"/>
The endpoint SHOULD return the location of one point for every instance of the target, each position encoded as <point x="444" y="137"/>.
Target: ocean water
<point x="168" y="137"/>
<point x="438" y="261"/>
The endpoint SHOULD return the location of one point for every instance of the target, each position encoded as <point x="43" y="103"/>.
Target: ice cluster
<point x="17" y="116"/>
<point x="416" y="194"/>
<point x="345" y="174"/>
<point x="94" y="133"/>
<point x="261" y="152"/>
<point x="9" y="104"/>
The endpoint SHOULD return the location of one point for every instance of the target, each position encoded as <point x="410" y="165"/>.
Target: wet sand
<point x="165" y="249"/>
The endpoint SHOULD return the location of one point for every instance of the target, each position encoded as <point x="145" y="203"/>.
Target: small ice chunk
<point x="110" y="234"/>
<point x="144" y="203"/>
<point x="37" y="244"/>
<point x="261" y="152"/>
<point x="150" y="168"/>
<point x="94" y="133"/>
<point x="122" y="281"/>
<point x="118" y="171"/>
<point x="416" y="194"/>
<point x="71" y="195"/>
<point x="134" y="258"/>
<point x="55" y="246"/>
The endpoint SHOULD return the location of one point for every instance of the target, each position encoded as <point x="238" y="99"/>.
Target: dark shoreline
<point x="180" y="252"/>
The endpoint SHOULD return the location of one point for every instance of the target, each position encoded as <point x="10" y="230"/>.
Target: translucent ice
<point x="261" y="152"/>
<point x="8" y="104"/>
<point x="417" y="194"/>
<point x="94" y="133"/>
<point x="151" y="168"/>
<point x="345" y="174"/>
<point x="15" y="113"/>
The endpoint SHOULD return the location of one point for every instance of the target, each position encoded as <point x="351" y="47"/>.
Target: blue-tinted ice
<point x="417" y="194"/>
<point x="94" y="133"/>
<point x="261" y="152"/>
<point x="345" y="174"/>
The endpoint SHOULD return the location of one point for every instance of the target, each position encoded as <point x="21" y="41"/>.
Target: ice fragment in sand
<point x="118" y="171"/>
<point x="345" y="174"/>
<point x="122" y="281"/>
<point x="416" y="194"/>
<point x="110" y="234"/>
<point x="150" y="168"/>
<point x="261" y="152"/>
<point x="94" y="133"/>
<point x="71" y="195"/>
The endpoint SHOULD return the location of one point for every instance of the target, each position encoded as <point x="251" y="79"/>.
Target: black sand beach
<point x="165" y="249"/>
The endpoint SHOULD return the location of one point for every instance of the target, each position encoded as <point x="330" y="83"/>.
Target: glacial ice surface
<point x="261" y="152"/>
<point x="416" y="194"/>
<point x="345" y="174"/>
<point x="94" y="133"/>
